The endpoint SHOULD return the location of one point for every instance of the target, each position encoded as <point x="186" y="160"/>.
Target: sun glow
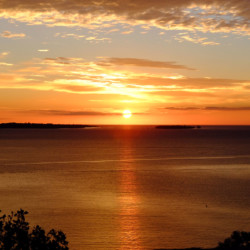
<point x="127" y="113"/>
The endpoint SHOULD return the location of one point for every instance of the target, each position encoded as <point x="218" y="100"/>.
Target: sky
<point x="86" y="61"/>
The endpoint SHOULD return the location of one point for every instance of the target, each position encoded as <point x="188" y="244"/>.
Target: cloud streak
<point x="141" y="63"/>
<point x="73" y="113"/>
<point x="54" y="112"/>
<point x="212" y="108"/>
<point x="188" y="82"/>
<point x="79" y="76"/>
<point x="231" y="16"/>
<point x="8" y="34"/>
<point x="4" y="54"/>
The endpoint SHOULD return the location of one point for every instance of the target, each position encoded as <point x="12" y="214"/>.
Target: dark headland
<point x="193" y="248"/>
<point x="237" y="241"/>
<point x="177" y="127"/>
<point x="42" y="125"/>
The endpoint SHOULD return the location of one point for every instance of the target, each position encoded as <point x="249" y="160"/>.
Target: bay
<point x="129" y="187"/>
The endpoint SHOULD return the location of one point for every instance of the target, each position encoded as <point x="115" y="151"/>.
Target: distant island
<point x="192" y="248"/>
<point x="177" y="127"/>
<point x="42" y="125"/>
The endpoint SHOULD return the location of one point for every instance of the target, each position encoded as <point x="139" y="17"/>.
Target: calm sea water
<point x="133" y="187"/>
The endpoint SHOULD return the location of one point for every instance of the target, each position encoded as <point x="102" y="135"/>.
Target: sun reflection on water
<point x="129" y="204"/>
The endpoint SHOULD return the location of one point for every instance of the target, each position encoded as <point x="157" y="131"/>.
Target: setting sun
<point x="127" y="113"/>
<point x="135" y="113"/>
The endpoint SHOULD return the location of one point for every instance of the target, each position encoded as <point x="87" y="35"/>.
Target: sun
<point x="126" y="113"/>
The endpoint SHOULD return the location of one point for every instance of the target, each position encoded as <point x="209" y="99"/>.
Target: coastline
<point x="42" y="126"/>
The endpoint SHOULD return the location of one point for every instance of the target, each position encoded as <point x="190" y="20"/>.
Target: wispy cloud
<point x="141" y="63"/>
<point x="188" y="82"/>
<point x="90" y="112"/>
<point x="43" y="50"/>
<point x="5" y="64"/>
<point x="79" y="76"/>
<point x="228" y="108"/>
<point x="8" y="34"/>
<point x="69" y="35"/>
<point x="4" y="54"/>
<point x="228" y="16"/>
<point x="194" y="38"/>
<point x="213" y="108"/>
<point x="73" y="112"/>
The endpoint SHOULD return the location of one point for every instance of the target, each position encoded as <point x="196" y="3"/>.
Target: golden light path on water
<point x="129" y="202"/>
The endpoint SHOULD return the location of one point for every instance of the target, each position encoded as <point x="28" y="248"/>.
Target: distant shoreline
<point x="192" y="248"/>
<point x="177" y="127"/>
<point x="42" y="125"/>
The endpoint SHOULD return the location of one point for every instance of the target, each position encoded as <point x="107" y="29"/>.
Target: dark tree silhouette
<point x="14" y="234"/>
<point x="238" y="240"/>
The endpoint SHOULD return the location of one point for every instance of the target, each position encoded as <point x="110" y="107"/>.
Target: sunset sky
<point x="86" y="61"/>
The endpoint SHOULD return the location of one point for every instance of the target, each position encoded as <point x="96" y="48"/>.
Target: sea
<point x="129" y="187"/>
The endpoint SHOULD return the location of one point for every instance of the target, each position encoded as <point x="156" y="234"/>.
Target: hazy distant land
<point x="177" y="126"/>
<point x="57" y="126"/>
<point x="42" y="125"/>
<point x="192" y="248"/>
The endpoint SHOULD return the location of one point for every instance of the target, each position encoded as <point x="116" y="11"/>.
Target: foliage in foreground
<point x="14" y="234"/>
<point x="238" y="240"/>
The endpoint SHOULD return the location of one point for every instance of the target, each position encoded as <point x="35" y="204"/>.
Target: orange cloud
<point x="5" y="64"/>
<point x="4" y="54"/>
<point x="194" y="38"/>
<point x="141" y="63"/>
<point x="78" y="76"/>
<point x="8" y="34"/>
<point x="43" y="50"/>
<point x="229" y="16"/>
<point x="79" y="88"/>
<point x="69" y="35"/>
<point x="85" y="112"/>
<point x="73" y="112"/>
<point x="211" y="108"/>
<point x="186" y="82"/>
